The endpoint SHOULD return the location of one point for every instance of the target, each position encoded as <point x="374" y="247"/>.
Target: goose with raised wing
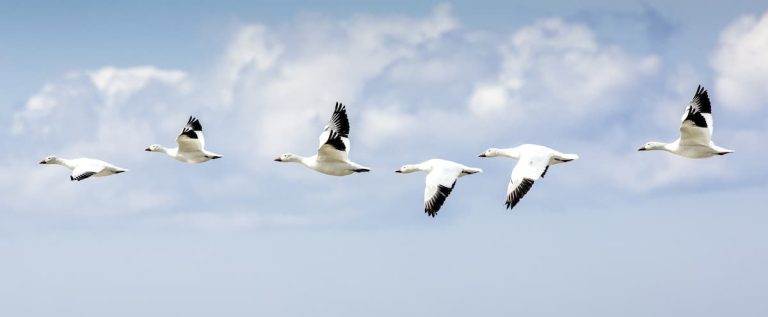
<point x="441" y="179"/>
<point x="696" y="129"/>
<point x="191" y="145"/>
<point x="533" y="161"/>
<point x="332" y="156"/>
<point x="83" y="168"/>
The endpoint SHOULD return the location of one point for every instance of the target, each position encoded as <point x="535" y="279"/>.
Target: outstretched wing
<point x="334" y="140"/>
<point x="439" y="184"/>
<point x="339" y="121"/>
<point x="333" y="147"/>
<point x="696" y="127"/>
<point x="83" y="171"/>
<point x="526" y="172"/>
<point x="191" y="137"/>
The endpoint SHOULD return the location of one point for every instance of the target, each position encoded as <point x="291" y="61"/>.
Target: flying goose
<point x="441" y="179"/>
<point x="533" y="163"/>
<point x="695" y="139"/>
<point x="83" y="168"/>
<point x="332" y="156"/>
<point x="191" y="143"/>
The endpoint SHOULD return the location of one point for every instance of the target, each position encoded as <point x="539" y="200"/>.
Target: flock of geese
<point x="332" y="156"/>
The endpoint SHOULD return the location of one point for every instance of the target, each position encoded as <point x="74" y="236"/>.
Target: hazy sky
<point x="615" y="233"/>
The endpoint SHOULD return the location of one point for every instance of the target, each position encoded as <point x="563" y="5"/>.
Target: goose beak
<point x="43" y="162"/>
<point x="148" y="150"/>
<point x="398" y="171"/>
<point x="481" y="155"/>
<point x="278" y="160"/>
<point x="642" y="149"/>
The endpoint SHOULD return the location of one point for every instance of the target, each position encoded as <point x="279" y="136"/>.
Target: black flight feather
<point x="699" y="105"/>
<point x="514" y="197"/>
<point x="82" y="176"/>
<point x="339" y="120"/>
<point x="334" y="139"/>
<point x="433" y="205"/>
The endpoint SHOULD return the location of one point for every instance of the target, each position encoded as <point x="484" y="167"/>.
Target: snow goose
<point x="441" y="178"/>
<point x="332" y="156"/>
<point x="695" y="139"/>
<point x="533" y="163"/>
<point x="191" y="143"/>
<point x="83" y="168"/>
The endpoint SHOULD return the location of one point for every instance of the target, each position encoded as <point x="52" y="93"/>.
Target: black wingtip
<point x="334" y="139"/>
<point x="701" y="99"/>
<point x="514" y="197"/>
<point x="194" y="123"/>
<point x="436" y="202"/>
<point x="189" y="133"/>
<point x="339" y="107"/>
<point x="339" y="121"/>
<point x="702" y="91"/>
<point x="81" y="176"/>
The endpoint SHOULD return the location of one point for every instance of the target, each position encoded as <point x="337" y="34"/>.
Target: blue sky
<point x="615" y="233"/>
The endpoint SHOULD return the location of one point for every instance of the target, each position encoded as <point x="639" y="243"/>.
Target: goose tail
<point x="472" y="170"/>
<point x="567" y="157"/>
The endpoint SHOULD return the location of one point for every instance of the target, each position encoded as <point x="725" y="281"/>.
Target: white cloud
<point x="252" y="47"/>
<point x="106" y="114"/>
<point x="408" y="84"/>
<point x="488" y="99"/>
<point x="37" y="106"/>
<point x="553" y="68"/>
<point x="741" y="65"/>
<point x="380" y="125"/>
<point x="425" y="71"/>
<point x="679" y="87"/>
<point x="82" y="98"/>
<point x="323" y="61"/>
<point x="117" y="84"/>
<point x="279" y="82"/>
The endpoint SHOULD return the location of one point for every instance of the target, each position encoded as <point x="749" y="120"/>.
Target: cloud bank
<point x="416" y="88"/>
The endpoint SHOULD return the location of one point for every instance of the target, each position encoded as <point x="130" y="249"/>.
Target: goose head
<point x="287" y="157"/>
<point x="492" y="152"/>
<point x="405" y="169"/>
<point x="49" y="160"/>
<point x="652" y="146"/>
<point x="154" y="148"/>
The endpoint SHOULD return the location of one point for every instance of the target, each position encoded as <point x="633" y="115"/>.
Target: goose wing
<point x="334" y="140"/>
<point x="696" y="127"/>
<point x="85" y="169"/>
<point x="191" y="138"/>
<point x="529" y="168"/>
<point x="439" y="184"/>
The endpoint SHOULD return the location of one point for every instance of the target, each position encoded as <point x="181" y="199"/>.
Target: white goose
<point x="533" y="163"/>
<point x="83" y="168"/>
<point x="441" y="179"/>
<point x="191" y="143"/>
<point x="332" y="156"/>
<point x="695" y="139"/>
